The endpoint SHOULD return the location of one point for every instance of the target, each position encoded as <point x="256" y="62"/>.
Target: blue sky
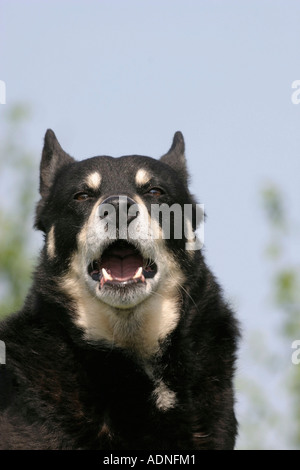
<point x="120" y="77"/>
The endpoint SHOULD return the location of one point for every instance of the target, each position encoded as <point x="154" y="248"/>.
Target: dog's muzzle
<point x="121" y="263"/>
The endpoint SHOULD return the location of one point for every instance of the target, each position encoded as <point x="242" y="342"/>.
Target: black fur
<point x="60" y="391"/>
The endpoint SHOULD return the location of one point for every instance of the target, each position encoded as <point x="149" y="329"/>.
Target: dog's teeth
<point x="138" y="273"/>
<point x="106" y="275"/>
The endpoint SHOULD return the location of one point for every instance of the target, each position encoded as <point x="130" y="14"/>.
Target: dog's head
<point x="116" y="231"/>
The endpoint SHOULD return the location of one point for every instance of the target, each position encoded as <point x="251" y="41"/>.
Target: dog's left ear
<point x="175" y="157"/>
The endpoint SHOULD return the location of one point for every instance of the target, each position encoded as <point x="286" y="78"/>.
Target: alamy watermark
<point x="164" y="221"/>
<point x="295" y="97"/>
<point x="296" y="353"/>
<point x="2" y="92"/>
<point x="2" y="353"/>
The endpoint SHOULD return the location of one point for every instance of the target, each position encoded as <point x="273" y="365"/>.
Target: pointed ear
<point x="175" y="157"/>
<point x="53" y="159"/>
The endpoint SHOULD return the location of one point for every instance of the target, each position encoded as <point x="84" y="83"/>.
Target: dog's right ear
<point x="53" y="159"/>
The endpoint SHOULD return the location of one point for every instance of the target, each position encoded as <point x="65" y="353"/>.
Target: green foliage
<point x="285" y="289"/>
<point x="18" y="183"/>
<point x="272" y="420"/>
<point x="286" y="279"/>
<point x="273" y="206"/>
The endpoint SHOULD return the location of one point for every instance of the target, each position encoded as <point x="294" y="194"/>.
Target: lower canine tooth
<point x="106" y="276"/>
<point x="138" y="273"/>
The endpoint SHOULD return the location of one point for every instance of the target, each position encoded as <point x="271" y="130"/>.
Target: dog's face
<point x="108" y="241"/>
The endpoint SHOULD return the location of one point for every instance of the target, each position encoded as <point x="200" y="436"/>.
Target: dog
<point x="125" y="340"/>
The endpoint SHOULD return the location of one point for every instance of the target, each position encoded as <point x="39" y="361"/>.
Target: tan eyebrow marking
<point x="142" y="177"/>
<point x="94" y="180"/>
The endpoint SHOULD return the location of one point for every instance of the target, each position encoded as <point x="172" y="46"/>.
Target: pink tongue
<point x="122" y="268"/>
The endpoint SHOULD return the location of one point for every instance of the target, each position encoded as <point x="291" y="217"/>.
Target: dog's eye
<point x="81" y="196"/>
<point x="155" y="192"/>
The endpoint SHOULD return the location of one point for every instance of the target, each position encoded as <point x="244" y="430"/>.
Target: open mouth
<point x="122" y="264"/>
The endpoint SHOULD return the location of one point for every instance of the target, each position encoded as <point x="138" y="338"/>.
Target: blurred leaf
<point x="273" y="206"/>
<point x="19" y="112"/>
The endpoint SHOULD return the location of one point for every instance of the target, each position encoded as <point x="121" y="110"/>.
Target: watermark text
<point x="2" y="353"/>
<point x="296" y="353"/>
<point x="2" y="92"/>
<point x="137" y="222"/>
<point x="295" y="97"/>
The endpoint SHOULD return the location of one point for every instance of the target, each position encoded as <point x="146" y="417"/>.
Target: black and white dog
<point x="124" y="341"/>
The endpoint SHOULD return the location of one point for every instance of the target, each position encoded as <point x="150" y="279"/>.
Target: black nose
<point x="121" y="204"/>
